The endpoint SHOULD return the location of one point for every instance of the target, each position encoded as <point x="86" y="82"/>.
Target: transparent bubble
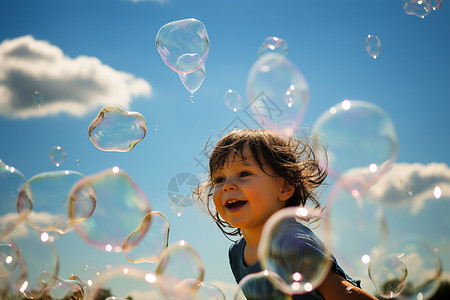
<point x="146" y="243"/>
<point x="11" y="182"/>
<point x="179" y="266"/>
<point x="357" y="228"/>
<point x="193" y="81"/>
<point x="273" y="44"/>
<point x="57" y="155"/>
<point x="422" y="262"/>
<point x="388" y="274"/>
<point x="9" y="258"/>
<point x="86" y="276"/>
<point x="232" y="100"/>
<point x="36" y="258"/>
<point x="435" y="4"/>
<point x="209" y="291"/>
<point x="277" y="93"/>
<point x="260" y="286"/>
<point x="373" y="45"/>
<point x="420" y="8"/>
<point x="180" y="189"/>
<point x="37" y="99"/>
<point x="120" y="206"/>
<point x="183" y="37"/>
<point x="126" y="282"/>
<point x="291" y="250"/>
<point x="115" y="129"/>
<point x="44" y="202"/>
<point x="64" y="289"/>
<point x="360" y="142"/>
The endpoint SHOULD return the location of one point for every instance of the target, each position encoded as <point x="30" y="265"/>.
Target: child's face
<point x="245" y="196"/>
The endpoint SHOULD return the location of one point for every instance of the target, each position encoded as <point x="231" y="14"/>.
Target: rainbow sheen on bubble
<point x="193" y="81"/>
<point x="232" y="99"/>
<point x="120" y="206"/>
<point x="179" y="266"/>
<point x="183" y="37"/>
<point x="277" y="94"/>
<point x="273" y="44"/>
<point x="45" y="200"/>
<point x="115" y="129"/>
<point x="146" y="243"/>
<point x="419" y="8"/>
<point x="388" y="274"/>
<point x="57" y="155"/>
<point x="291" y="250"/>
<point x="373" y="45"/>
<point x="360" y="141"/>
<point x="11" y="182"/>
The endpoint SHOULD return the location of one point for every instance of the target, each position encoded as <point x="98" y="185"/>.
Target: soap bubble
<point x="273" y="44"/>
<point x="64" y="289"/>
<point x="11" y="182"/>
<point x="208" y="291"/>
<point x="120" y="206"/>
<point x="420" y="8"/>
<point x="373" y="45"/>
<point x="193" y="81"/>
<point x="259" y="286"/>
<point x="146" y="243"/>
<point x="57" y="155"/>
<point x="388" y="274"/>
<point x="9" y="258"/>
<point x="180" y="189"/>
<point x="44" y="202"/>
<point x="232" y="100"/>
<point x="435" y="4"/>
<point x="115" y="129"/>
<point x="37" y="99"/>
<point x="360" y="142"/>
<point x="183" y="37"/>
<point x="179" y="265"/>
<point x="277" y="93"/>
<point x="291" y="250"/>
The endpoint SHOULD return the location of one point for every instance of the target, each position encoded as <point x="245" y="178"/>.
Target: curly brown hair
<point x="291" y="158"/>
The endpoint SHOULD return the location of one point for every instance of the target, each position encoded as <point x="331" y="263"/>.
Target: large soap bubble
<point x="115" y="129"/>
<point x="184" y="37"/>
<point x="291" y="250"/>
<point x="360" y="142"/>
<point x="277" y="93"/>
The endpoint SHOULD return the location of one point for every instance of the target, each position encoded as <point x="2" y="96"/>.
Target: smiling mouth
<point x="234" y="204"/>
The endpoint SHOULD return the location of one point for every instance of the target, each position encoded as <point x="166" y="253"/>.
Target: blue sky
<point x="326" y="41"/>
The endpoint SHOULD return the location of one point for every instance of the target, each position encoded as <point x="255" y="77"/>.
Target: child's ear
<point x="286" y="191"/>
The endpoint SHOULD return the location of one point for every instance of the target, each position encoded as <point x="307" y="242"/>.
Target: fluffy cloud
<point x="74" y="86"/>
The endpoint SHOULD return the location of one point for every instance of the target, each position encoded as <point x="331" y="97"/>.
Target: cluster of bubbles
<point x="184" y="46"/>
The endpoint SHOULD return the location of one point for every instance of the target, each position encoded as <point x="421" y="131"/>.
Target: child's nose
<point x="229" y="185"/>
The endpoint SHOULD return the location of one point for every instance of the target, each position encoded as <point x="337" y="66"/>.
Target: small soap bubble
<point x="373" y="45"/>
<point x="57" y="155"/>
<point x="388" y="274"/>
<point x="193" y="81"/>
<point x="232" y="100"/>
<point x="37" y="99"/>
<point x="9" y="258"/>
<point x="435" y="4"/>
<point x="419" y="8"/>
<point x="184" y="37"/>
<point x="273" y="44"/>
<point x="115" y="129"/>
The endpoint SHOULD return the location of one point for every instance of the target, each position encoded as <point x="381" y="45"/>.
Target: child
<point x="253" y="174"/>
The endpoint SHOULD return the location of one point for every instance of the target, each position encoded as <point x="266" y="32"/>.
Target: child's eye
<point x="244" y="174"/>
<point x="218" y="180"/>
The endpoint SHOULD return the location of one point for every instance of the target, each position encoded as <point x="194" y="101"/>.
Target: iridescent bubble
<point x="126" y="282"/>
<point x="44" y="202"/>
<point x="373" y="45"/>
<point x="277" y="93"/>
<point x="360" y="142"/>
<point x="178" y="38"/>
<point x="37" y="99"/>
<point x="260" y="286"/>
<point x="115" y="129"/>
<point x="11" y="182"/>
<point x="232" y="100"/>
<point x="357" y="228"/>
<point x="120" y="206"/>
<point x="291" y="250"/>
<point x="64" y="289"/>
<point x="420" y="8"/>
<point x="273" y="44"/>
<point x="146" y="243"/>
<point x="422" y="262"/>
<point x="388" y="274"/>
<point x="193" y="81"/>
<point x="179" y="266"/>
<point x="57" y="155"/>
<point x="189" y="61"/>
<point x="9" y="258"/>
<point x="435" y="4"/>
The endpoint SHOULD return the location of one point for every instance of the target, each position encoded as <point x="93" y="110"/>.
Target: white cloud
<point x="70" y="85"/>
